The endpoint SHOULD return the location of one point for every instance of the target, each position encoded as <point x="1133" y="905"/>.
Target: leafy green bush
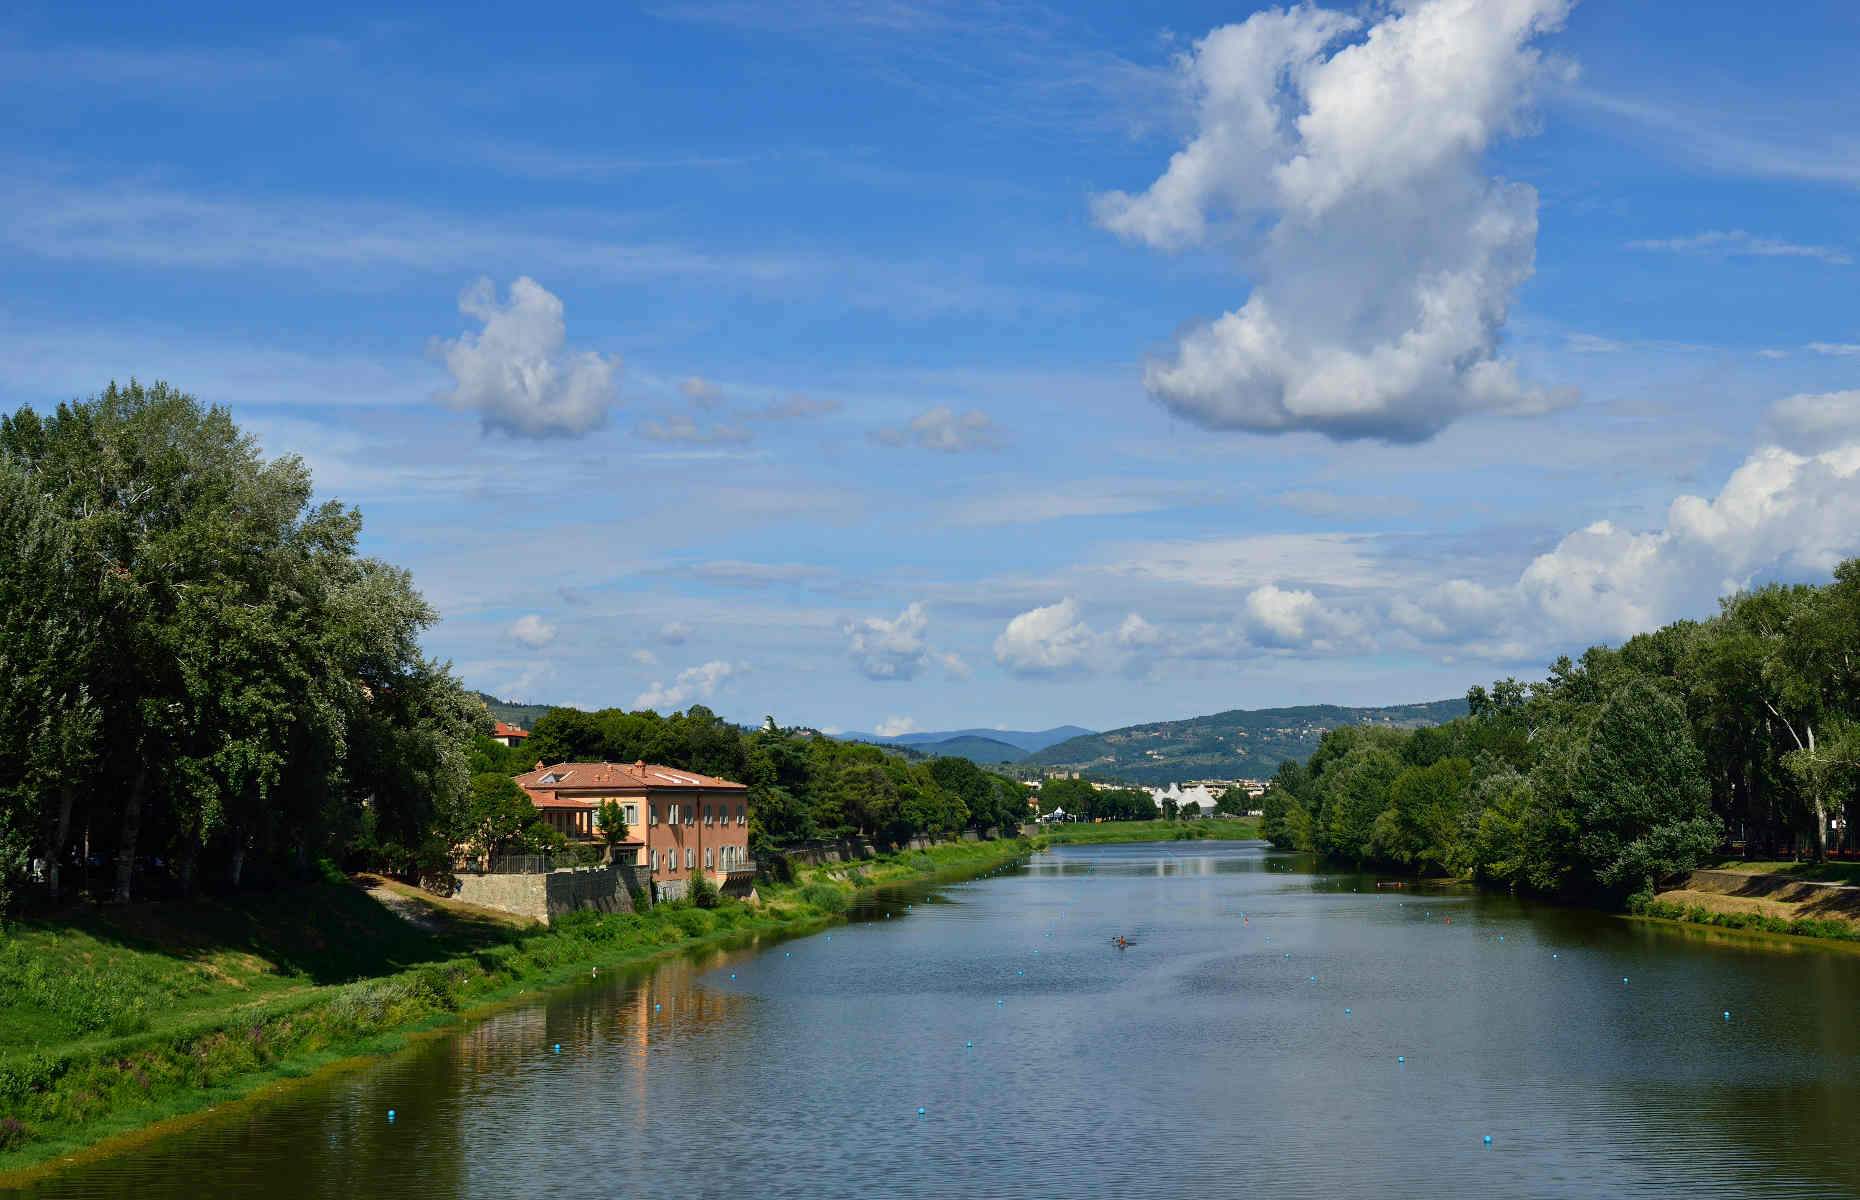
<point x="702" y="892"/>
<point x="825" y="897"/>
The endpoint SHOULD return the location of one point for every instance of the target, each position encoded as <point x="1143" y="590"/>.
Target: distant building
<point x="510" y="735"/>
<point x="679" y="821"/>
<point x="1198" y="794"/>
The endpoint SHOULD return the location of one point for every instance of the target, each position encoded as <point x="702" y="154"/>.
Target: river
<point x="1249" y="1041"/>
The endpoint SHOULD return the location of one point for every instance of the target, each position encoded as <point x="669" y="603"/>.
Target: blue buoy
<point x="1399" y="1058"/>
<point x="390" y="1114"/>
<point x="1624" y="979"/>
<point x="920" y="1112"/>
<point x="970" y="1045"/>
<point x="785" y="954"/>
<point x="1727" y="1016"/>
<point x="1501" y="937"/>
<point x="999" y="1003"/>
<point x="1020" y="972"/>
<point x="732" y="974"/>
<point x="1488" y="1139"/>
<point x="655" y="1008"/>
<point x="1553" y="956"/>
<point x="1346" y="1012"/>
<point x="558" y="1047"/>
<point x="1288" y="954"/>
<point x="1314" y="979"/>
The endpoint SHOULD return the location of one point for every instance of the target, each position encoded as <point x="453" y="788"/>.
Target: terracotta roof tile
<point x="504" y="730"/>
<point x="574" y="777"/>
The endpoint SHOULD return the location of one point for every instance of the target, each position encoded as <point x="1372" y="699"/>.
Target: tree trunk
<point x="67" y="797"/>
<point x="1821" y="830"/>
<point x="188" y="876"/>
<point x="238" y="863"/>
<point x="132" y="829"/>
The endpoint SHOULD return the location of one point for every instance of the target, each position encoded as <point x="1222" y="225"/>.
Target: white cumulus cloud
<point x="1781" y="513"/>
<point x="895" y="727"/>
<point x="1295" y="619"/>
<point x="1344" y="159"/>
<point x="1053" y="640"/>
<point x="898" y="648"/>
<point x="694" y="683"/>
<point x="532" y="631"/>
<point x="517" y="375"/>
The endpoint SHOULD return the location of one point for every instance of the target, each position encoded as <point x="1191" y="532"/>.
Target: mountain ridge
<point x="1238" y="743"/>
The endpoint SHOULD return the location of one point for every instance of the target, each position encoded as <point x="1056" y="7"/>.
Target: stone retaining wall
<point x="542" y="897"/>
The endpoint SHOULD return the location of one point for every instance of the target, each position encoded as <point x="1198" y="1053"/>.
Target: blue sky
<point x="923" y="365"/>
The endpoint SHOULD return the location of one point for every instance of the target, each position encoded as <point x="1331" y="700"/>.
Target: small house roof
<point x="602" y="776"/>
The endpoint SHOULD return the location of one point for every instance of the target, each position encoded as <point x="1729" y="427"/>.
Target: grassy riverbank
<point x="1147" y="831"/>
<point x="1808" y="900"/>
<point x="111" y="1022"/>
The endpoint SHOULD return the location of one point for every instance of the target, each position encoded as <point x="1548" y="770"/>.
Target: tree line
<point x="1621" y="768"/>
<point x="209" y="687"/>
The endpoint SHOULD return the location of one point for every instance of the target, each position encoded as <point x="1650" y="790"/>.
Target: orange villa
<point x="681" y="822"/>
<point x="510" y="735"/>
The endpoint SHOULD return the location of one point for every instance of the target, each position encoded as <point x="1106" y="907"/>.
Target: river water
<point x="1249" y="1041"/>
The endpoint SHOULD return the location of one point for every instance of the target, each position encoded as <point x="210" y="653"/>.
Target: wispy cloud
<point x="942" y="428"/>
<point x="1729" y="142"/>
<point x="1736" y="243"/>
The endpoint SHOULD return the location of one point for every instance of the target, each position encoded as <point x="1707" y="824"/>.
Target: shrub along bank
<point x="1147" y="831"/>
<point x="219" y="1001"/>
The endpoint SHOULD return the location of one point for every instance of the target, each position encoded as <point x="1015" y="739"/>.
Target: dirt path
<point x="420" y="916"/>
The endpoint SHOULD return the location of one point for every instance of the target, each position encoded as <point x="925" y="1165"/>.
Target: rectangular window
<point x="672" y="811"/>
<point x="652" y="813"/>
<point x="708" y="861"/>
<point x="690" y="858"/>
<point x="740" y="818"/>
<point x="631" y="813"/>
<point x="707" y="814"/>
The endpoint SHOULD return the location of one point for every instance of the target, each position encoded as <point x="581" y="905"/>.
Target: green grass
<point x="1148" y="831"/>
<point x="111" y="1024"/>
<point x="1827" y="872"/>
<point x="1694" y="914"/>
<point x="88" y="978"/>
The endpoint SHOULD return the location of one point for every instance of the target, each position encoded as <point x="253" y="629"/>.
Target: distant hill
<point x="523" y="716"/>
<point x="1027" y="742"/>
<point x="981" y="750"/>
<point x="1238" y="744"/>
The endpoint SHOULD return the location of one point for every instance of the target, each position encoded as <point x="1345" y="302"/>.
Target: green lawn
<point x="1827" y="872"/>
<point x="94" y="976"/>
<point x="1149" y="831"/>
